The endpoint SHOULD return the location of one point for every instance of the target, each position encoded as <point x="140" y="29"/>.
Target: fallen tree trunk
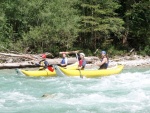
<point x="70" y="52"/>
<point x="18" y="55"/>
<point x="16" y="65"/>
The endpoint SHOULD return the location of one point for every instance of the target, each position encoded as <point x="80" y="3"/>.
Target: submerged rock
<point x="48" y="95"/>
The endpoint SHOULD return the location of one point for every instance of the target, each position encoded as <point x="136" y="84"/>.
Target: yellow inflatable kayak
<point x="38" y="73"/>
<point x="44" y="73"/>
<point x="88" y="73"/>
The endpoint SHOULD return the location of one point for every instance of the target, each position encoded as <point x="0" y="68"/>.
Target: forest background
<point x="38" y="26"/>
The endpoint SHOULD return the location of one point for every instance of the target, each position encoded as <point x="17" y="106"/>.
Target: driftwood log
<point x="71" y="52"/>
<point x="18" y="55"/>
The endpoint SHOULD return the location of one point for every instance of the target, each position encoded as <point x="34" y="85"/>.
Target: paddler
<point x="82" y="61"/>
<point x="43" y="63"/>
<point x="103" y="64"/>
<point x="64" y="60"/>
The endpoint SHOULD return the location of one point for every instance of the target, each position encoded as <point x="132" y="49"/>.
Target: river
<point x="127" y="92"/>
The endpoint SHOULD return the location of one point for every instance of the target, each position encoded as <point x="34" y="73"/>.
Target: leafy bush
<point x="146" y="51"/>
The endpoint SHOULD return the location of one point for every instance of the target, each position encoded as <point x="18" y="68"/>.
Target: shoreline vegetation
<point x="11" y="60"/>
<point x="36" y="26"/>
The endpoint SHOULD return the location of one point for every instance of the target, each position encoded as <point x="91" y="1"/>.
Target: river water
<point x="128" y="92"/>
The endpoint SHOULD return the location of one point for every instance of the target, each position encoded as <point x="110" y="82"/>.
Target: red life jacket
<point x="80" y="63"/>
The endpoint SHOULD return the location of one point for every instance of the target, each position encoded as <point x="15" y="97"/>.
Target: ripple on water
<point x="128" y="92"/>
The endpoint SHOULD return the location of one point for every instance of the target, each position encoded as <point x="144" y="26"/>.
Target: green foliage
<point x="40" y="24"/>
<point x="59" y="25"/>
<point x="100" y="21"/>
<point x="137" y="23"/>
<point x="146" y="51"/>
<point x="112" y="51"/>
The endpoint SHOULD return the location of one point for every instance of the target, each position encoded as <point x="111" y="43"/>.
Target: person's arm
<point x="78" y="57"/>
<point x="66" y="61"/>
<point x="46" y="64"/>
<point x="38" y="64"/>
<point x="104" y="61"/>
<point x="101" y="63"/>
<point x="80" y="67"/>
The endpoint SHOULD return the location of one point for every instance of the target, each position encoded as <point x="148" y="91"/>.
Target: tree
<point x="137" y="23"/>
<point x="41" y="25"/>
<point x="140" y="24"/>
<point x="100" y="21"/>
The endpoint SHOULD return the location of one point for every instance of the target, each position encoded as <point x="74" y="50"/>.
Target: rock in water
<point x="48" y="95"/>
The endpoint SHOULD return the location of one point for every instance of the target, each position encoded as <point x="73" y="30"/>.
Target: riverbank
<point x="29" y="60"/>
<point x="134" y="60"/>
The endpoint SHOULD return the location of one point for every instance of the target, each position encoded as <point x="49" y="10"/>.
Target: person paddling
<point x="43" y="63"/>
<point x="64" y="60"/>
<point x="82" y="61"/>
<point x="104" y="61"/>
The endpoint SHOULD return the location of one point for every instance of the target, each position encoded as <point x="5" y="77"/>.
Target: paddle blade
<point x="50" y="68"/>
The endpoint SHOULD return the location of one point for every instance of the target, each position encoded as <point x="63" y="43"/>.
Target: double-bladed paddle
<point x="49" y="67"/>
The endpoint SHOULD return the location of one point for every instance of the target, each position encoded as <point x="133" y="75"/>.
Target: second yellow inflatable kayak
<point x="88" y="73"/>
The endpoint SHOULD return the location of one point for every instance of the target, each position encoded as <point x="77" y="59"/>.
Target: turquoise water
<point x="128" y="92"/>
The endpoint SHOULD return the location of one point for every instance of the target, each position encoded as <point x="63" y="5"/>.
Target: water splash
<point x="128" y="92"/>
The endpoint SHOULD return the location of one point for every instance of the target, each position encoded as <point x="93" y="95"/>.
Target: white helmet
<point x="82" y="54"/>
